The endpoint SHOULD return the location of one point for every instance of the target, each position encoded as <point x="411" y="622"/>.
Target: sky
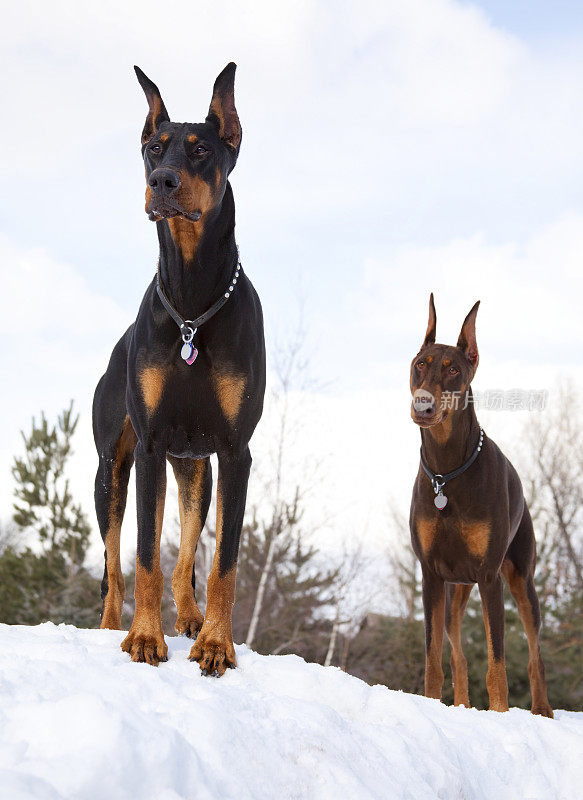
<point x="389" y="149"/>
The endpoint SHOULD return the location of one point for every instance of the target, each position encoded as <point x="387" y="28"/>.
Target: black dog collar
<point x="188" y="327"/>
<point x="438" y="481"/>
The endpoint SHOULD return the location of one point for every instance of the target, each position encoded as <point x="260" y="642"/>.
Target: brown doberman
<point x="469" y="523"/>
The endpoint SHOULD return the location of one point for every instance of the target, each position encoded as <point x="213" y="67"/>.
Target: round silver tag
<point x="440" y="501"/>
<point x="186" y="350"/>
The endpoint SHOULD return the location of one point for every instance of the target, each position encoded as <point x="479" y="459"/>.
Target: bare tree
<point x="553" y="468"/>
<point x="357" y="590"/>
<point x="291" y="381"/>
<point x="405" y="571"/>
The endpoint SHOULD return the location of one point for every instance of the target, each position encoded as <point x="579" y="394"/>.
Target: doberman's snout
<point x="427" y="411"/>
<point x="163" y="180"/>
<point x="424" y="404"/>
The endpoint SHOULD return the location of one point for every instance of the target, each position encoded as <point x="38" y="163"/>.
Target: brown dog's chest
<point x="455" y="549"/>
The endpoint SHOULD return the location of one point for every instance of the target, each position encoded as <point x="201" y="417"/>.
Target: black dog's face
<point x="441" y="375"/>
<point x="187" y="164"/>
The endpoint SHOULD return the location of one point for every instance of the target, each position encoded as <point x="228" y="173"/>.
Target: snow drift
<point x="78" y="720"/>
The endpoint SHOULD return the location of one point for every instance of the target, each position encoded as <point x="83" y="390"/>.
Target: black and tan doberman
<point x="469" y="523"/>
<point x="185" y="381"/>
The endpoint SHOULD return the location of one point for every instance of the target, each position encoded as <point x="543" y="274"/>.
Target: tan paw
<point x="146" y="647"/>
<point x="189" y="623"/>
<point x="214" y="652"/>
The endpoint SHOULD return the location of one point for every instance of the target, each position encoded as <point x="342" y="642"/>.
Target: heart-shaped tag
<point x="189" y="352"/>
<point x="440" y="501"/>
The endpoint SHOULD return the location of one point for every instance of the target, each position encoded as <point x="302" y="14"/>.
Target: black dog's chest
<point x="194" y="443"/>
<point x="188" y="409"/>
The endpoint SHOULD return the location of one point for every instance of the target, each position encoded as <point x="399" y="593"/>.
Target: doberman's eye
<point x="200" y="150"/>
<point x="453" y="371"/>
<point x="420" y="364"/>
<point x="155" y="149"/>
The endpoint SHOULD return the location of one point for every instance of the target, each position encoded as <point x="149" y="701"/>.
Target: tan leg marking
<point x="214" y="649"/>
<point x="188" y="617"/>
<point x="230" y="389"/>
<point x="152" y="383"/>
<point x="476" y="535"/>
<point x="536" y="670"/>
<point x="433" y="668"/>
<point x="113" y="603"/>
<point x="426" y="530"/>
<point x="459" y="665"/>
<point x="145" y="640"/>
<point x="496" y="681"/>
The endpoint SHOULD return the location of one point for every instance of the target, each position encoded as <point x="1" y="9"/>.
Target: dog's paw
<point x="145" y="647"/>
<point x="189" y="623"/>
<point x="543" y="710"/>
<point x="214" y="652"/>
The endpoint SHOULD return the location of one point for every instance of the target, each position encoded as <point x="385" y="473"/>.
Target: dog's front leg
<point x="145" y="640"/>
<point x="213" y="648"/>
<point x="492" y="594"/>
<point x="434" y="609"/>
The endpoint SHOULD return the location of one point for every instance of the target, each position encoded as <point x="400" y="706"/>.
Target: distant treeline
<point x="292" y="600"/>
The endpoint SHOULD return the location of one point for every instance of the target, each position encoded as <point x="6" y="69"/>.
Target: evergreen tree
<point x="299" y="593"/>
<point x="42" y="570"/>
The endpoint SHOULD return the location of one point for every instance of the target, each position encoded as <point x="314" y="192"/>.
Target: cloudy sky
<point x="389" y="149"/>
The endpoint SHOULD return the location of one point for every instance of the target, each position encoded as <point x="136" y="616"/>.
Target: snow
<point x="79" y="720"/>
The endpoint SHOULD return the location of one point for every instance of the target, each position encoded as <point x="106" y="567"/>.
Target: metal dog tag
<point x="440" y="501"/>
<point x="189" y="352"/>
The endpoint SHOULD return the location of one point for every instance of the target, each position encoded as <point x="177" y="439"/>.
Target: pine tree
<point x="298" y="593"/>
<point x="42" y="572"/>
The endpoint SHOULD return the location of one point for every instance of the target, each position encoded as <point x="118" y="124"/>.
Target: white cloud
<point x="389" y="149"/>
<point x="530" y="300"/>
<point x="56" y="335"/>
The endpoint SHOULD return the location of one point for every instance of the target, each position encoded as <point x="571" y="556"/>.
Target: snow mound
<point x="79" y="721"/>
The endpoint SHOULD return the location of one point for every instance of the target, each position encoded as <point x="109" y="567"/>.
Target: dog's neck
<point x="447" y="446"/>
<point x="197" y="259"/>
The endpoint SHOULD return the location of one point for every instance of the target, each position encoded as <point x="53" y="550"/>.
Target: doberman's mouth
<point x="166" y="212"/>
<point x="428" y="422"/>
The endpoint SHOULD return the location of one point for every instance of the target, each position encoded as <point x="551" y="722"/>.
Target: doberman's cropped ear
<point x="431" y="325"/>
<point x="467" y="338"/>
<point x="222" y="112"/>
<point x="157" y="113"/>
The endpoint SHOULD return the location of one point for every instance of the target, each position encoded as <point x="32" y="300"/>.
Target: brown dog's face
<point x="441" y="374"/>
<point x="188" y="164"/>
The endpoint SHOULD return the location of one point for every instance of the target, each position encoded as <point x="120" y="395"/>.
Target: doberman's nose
<point x="427" y="411"/>
<point x="165" y="181"/>
<point x="424" y="403"/>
